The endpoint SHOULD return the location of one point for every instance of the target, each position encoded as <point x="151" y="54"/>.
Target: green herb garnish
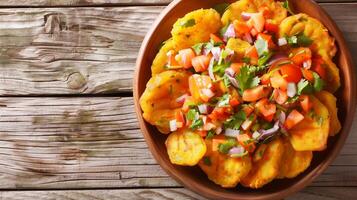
<point x="246" y="79"/>
<point x="225" y="147"/>
<point x="188" y="23"/>
<point x="235" y="121"/>
<point x="196" y="124"/>
<point x="210" y="134"/>
<point x="207" y="161"/>
<point x="318" y="82"/>
<point x="304" y="87"/>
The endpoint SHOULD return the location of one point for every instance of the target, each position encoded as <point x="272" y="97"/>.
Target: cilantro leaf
<point x="196" y="124"/>
<point x="225" y="147"/>
<point x="226" y="81"/>
<point x="235" y="121"/>
<point x="300" y="40"/>
<point x="224" y="54"/>
<point x="304" y="87"/>
<point x="210" y="134"/>
<point x="262" y="46"/>
<point x="207" y="161"/>
<point x="224" y="101"/>
<point x="264" y="58"/>
<point x="220" y="69"/>
<point x="191" y="114"/>
<point x="221" y="8"/>
<point x="318" y="82"/>
<point x="246" y="79"/>
<point x="197" y="48"/>
<point x="292" y="41"/>
<point x="246" y="60"/>
<point x="188" y="23"/>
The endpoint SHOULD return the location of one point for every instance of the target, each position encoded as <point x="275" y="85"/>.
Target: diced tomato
<point x="265" y="79"/>
<point x="252" y="53"/>
<point x="277" y="81"/>
<point x="200" y="87"/>
<point x="219" y="113"/>
<point x="258" y="21"/>
<point x="291" y="73"/>
<point x="318" y="67"/>
<point x="269" y="118"/>
<point x="234" y="102"/>
<point x="308" y="74"/>
<point x="215" y="38"/>
<point x="280" y="96"/>
<point x="265" y="11"/>
<point x="300" y="55"/>
<point x="188" y="101"/>
<point x="305" y="103"/>
<point x="180" y="119"/>
<point x="265" y="108"/>
<point x="201" y="63"/>
<point x="254" y="94"/>
<point x="240" y="27"/>
<point x="203" y="133"/>
<point x="184" y="57"/>
<point x="216" y="141"/>
<point x="271" y="27"/>
<point x="246" y="141"/>
<point x="236" y="67"/>
<point x="248" y="109"/>
<point x="267" y="38"/>
<point x="293" y="119"/>
<point x="171" y="61"/>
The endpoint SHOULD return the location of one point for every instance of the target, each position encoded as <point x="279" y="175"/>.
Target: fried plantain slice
<point x="222" y="169"/>
<point x="238" y="46"/>
<point x="311" y="134"/>
<point x="158" y="101"/>
<point x="294" y="162"/>
<point x="266" y="168"/>
<point x="323" y="43"/>
<point x="195" y="27"/>
<point x="330" y="102"/>
<point x="277" y="11"/>
<point x="160" y="61"/>
<point x="185" y="148"/>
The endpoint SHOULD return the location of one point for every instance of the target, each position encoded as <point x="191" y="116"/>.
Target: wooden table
<point x="67" y="123"/>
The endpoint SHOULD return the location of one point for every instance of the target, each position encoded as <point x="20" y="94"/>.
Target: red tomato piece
<point x="246" y="141"/>
<point x="200" y="87"/>
<point x="293" y="119"/>
<point x="305" y="103"/>
<point x="201" y="63"/>
<point x="280" y="96"/>
<point x="184" y="57"/>
<point x="291" y="73"/>
<point x="254" y="94"/>
<point x="301" y="55"/>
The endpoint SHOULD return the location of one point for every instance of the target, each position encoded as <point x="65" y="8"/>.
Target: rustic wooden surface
<point x="67" y="123"/>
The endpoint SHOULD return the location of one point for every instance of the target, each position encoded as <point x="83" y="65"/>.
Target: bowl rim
<point x="304" y="181"/>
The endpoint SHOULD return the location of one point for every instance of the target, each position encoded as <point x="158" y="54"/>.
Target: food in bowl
<point x="245" y="91"/>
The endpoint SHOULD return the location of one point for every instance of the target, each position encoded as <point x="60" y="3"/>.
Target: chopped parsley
<point x="188" y="23"/>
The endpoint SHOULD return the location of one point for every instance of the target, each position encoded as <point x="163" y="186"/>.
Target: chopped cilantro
<point x="221" y="8"/>
<point x="207" y="161"/>
<point x="246" y="60"/>
<point x="262" y="46"/>
<point x="292" y="41"/>
<point x="223" y="30"/>
<point x="196" y="124"/>
<point x="236" y="120"/>
<point x="304" y="87"/>
<point x="293" y="99"/>
<point x="246" y="79"/>
<point x="188" y="23"/>
<point x="220" y="69"/>
<point x="224" y="101"/>
<point x="225" y="147"/>
<point x="286" y="5"/>
<point x="226" y="81"/>
<point x="318" y="82"/>
<point x="224" y="54"/>
<point x="191" y="114"/>
<point x="266" y="125"/>
<point x="210" y="134"/>
<point x="300" y="40"/>
<point x="264" y="58"/>
<point x="198" y="48"/>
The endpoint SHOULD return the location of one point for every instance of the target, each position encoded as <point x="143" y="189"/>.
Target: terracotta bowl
<point x="192" y="177"/>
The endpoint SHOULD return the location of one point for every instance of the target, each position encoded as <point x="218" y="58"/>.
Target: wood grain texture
<point x="95" y="143"/>
<point x="73" y="3"/>
<point x="316" y="193"/>
<point x="47" y="51"/>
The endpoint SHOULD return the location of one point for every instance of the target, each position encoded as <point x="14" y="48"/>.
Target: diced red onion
<point x="233" y="81"/>
<point x="236" y="150"/>
<point x="231" y="132"/>
<point x="173" y="125"/>
<point x="282" y="41"/>
<point x="270" y="132"/>
<point x="203" y="108"/>
<point x="210" y="70"/>
<point x="208" y="93"/>
<point x="307" y="64"/>
<point x="256" y="135"/>
<point x="216" y="52"/>
<point x="230" y="33"/>
<point x="246" y="124"/>
<point x="230" y="72"/>
<point x="277" y="57"/>
<point x="246" y="16"/>
<point x="182" y="98"/>
<point x="291" y="89"/>
<point x="282" y="117"/>
<point x="248" y="38"/>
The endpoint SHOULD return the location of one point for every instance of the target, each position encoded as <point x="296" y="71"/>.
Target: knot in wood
<point x="76" y="81"/>
<point x="53" y="23"/>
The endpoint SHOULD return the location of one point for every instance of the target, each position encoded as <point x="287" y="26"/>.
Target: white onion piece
<point x="282" y="117"/>
<point x="255" y="135"/>
<point x="233" y="81"/>
<point x="203" y="108"/>
<point x="248" y="38"/>
<point x="173" y="125"/>
<point x="210" y="70"/>
<point x="258" y="21"/>
<point x="230" y="72"/>
<point x="246" y="124"/>
<point x="219" y="130"/>
<point x="282" y="41"/>
<point x="231" y="132"/>
<point x="208" y="126"/>
<point x="246" y="16"/>
<point x="216" y="52"/>
<point x="291" y="89"/>
<point x="208" y="93"/>
<point x="182" y="98"/>
<point x="230" y="33"/>
<point x="236" y="150"/>
<point x="307" y="64"/>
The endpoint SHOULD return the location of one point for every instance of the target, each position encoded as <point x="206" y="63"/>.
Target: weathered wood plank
<point x="88" y="50"/>
<point x="95" y="143"/>
<point x="309" y="193"/>
<point x="73" y="3"/>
